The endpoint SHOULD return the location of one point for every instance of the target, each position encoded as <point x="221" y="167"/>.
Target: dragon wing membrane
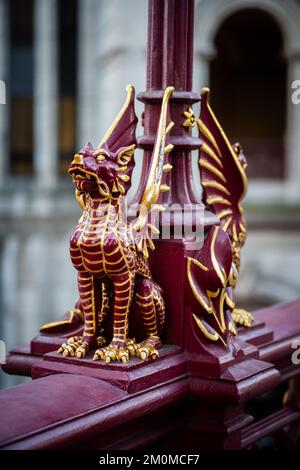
<point x="154" y="187"/>
<point x="223" y="176"/>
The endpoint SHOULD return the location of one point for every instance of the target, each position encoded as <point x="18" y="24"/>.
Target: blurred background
<point x="65" y="64"/>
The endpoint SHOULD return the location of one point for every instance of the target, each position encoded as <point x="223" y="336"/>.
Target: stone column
<point x="293" y="131"/>
<point x="4" y="78"/>
<point x="45" y="93"/>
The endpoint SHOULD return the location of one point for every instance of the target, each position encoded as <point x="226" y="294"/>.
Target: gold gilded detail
<point x="190" y="119"/>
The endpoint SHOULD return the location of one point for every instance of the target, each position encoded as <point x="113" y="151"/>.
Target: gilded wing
<point x="222" y="168"/>
<point x="208" y="277"/>
<point x="154" y="187"/>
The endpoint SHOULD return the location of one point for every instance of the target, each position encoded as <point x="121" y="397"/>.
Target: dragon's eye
<point x="100" y="158"/>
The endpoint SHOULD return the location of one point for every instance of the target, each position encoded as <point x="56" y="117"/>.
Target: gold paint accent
<point x="224" y="213"/>
<point x="124" y="290"/>
<point x="232" y="329"/>
<point x="221" y="309"/>
<point x="190" y="119"/>
<point x="234" y="234"/>
<point x="218" y="200"/>
<point x="124" y="178"/>
<point x="227" y="223"/>
<point x="122" y="283"/>
<point x="213" y="295"/>
<point x="169" y="148"/>
<point x="208" y="135"/>
<point x="79" y="198"/>
<point x="208" y="151"/>
<point x="126" y="155"/>
<point x="143" y="297"/>
<point x="122" y="168"/>
<point x="200" y="265"/>
<point x="78" y="159"/>
<point x="152" y="190"/>
<point x="204" y="164"/>
<point x="169" y="126"/>
<point x="151" y="244"/>
<point x="219" y="270"/>
<point x="202" y="302"/>
<point x="120" y="187"/>
<point x="100" y="158"/>
<point x="114" y="262"/>
<point x="229" y="302"/>
<point x="167" y="167"/>
<point x="57" y="323"/>
<point x="243" y="228"/>
<point x="215" y="185"/>
<point x="130" y="93"/>
<point x="113" y="252"/>
<point x="212" y="337"/>
<point x="242" y="317"/>
<point x="164" y="188"/>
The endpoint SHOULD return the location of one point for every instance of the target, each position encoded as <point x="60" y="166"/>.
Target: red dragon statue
<point x="119" y="300"/>
<point x="109" y="253"/>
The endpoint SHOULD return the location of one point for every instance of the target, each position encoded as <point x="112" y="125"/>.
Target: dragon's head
<point x="105" y="172"/>
<point x="102" y="173"/>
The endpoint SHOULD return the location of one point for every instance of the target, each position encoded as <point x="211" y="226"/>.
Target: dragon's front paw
<point x="83" y="350"/>
<point x="75" y="346"/>
<point x="116" y="351"/>
<point x="148" y="348"/>
<point x="112" y="353"/>
<point x="242" y="317"/>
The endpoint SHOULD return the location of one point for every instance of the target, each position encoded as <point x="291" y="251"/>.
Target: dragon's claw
<point x="146" y="351"/>
<point x="242" y="317"/>
<point x="112" y="353"/>
<point x="148" y="348"/>
<point x="83" y="350"/>
<point x="115" y="352"/>
<point x="75" y="346"/>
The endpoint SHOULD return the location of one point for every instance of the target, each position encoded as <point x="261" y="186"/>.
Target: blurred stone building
<point x="66" y="63"/>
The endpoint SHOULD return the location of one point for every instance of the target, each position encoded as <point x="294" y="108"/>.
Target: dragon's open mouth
<point x="86" y="181"/>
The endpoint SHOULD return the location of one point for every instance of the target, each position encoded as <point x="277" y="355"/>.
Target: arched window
<point x="248" y="83"/>
<point x="30" y="81"/>
<point x="21" y="86"/>
<point x="67" y="81"/>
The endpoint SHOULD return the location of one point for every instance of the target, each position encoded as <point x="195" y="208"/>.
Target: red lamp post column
<point x="170" y="62"/>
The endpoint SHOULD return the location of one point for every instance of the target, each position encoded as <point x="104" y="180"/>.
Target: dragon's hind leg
<point x="79" y="346"/>
<point x="117" y="350"/>
<point x="150" y="305"/>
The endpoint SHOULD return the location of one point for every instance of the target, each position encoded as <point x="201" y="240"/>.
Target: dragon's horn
<point x="153" y="186"/>
<point x="122" y="131"/>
